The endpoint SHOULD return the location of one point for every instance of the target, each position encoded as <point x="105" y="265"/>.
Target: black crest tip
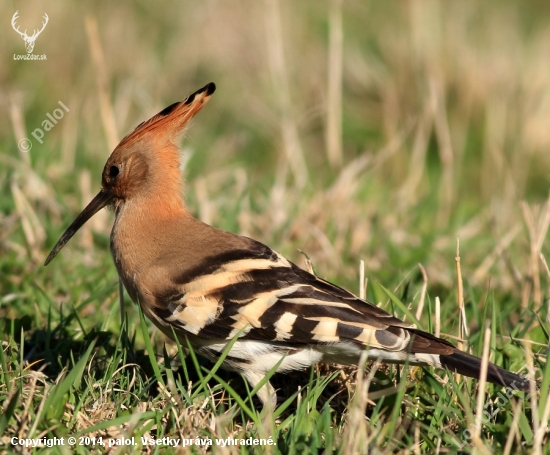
<point x="208" y="89"/>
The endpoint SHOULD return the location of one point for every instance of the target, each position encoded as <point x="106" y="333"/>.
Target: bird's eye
<point x="114" y="171"/>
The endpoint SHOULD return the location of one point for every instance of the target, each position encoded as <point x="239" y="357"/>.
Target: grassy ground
<point x="348" y="131"/>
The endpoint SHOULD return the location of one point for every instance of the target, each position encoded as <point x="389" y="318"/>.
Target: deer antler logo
<point x="29" y="40"/>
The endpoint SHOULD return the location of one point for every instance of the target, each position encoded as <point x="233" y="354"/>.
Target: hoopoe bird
<point x="208" y="285"/>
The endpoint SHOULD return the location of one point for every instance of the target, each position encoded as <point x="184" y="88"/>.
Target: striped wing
<point x="267" y="298"/>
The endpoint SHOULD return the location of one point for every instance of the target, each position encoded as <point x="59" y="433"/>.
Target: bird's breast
<point x="126" y="248"/>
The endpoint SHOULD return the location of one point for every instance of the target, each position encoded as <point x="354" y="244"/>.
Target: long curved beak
<point x="97" y="203"/>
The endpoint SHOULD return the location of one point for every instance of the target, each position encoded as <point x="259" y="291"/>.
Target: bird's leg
<point x="266" y="394"/>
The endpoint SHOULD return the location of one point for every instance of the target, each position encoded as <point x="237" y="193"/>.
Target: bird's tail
<point x="469" y="365"/>
<point x="430" y="350"/>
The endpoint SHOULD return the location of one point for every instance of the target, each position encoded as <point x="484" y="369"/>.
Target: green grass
<point x="444" y="136"/>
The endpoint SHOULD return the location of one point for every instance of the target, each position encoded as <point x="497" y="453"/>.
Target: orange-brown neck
<point x="143" y="232"/>
<point x="147" y="221"/>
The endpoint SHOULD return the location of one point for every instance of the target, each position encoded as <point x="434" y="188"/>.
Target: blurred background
<point x="347" y="129"/>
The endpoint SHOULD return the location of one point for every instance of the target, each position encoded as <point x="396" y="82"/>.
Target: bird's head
<point x="146" y="162"/>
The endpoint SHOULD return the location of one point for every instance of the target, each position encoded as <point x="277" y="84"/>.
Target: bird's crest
<point x="172" y="120"/>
